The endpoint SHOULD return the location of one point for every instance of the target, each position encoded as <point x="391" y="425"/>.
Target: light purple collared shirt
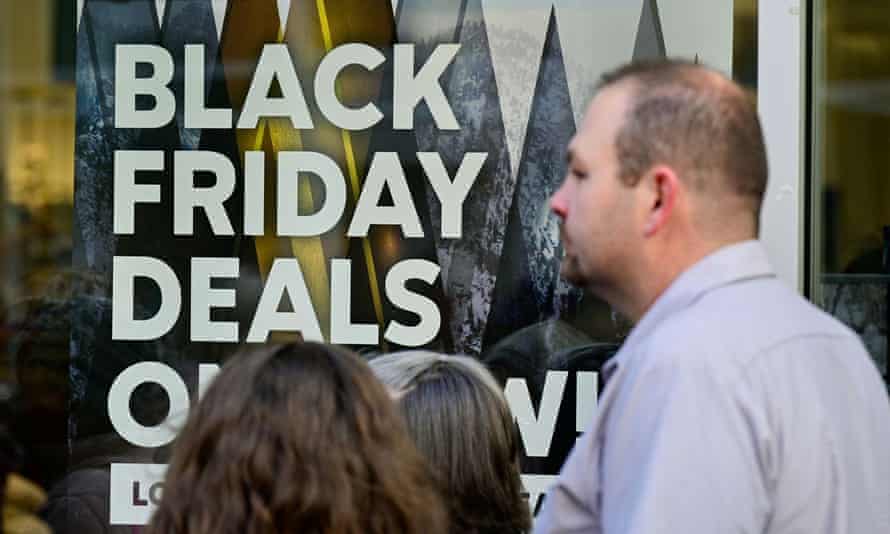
<point x="734" y="406"/>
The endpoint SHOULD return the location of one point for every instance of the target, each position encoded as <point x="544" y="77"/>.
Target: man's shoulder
<point x="736" y="323"/>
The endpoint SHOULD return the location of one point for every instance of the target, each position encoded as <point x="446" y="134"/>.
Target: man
<point x="734" y="406"/>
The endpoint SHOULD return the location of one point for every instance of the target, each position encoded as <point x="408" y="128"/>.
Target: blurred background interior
<point x="849" y="176"/>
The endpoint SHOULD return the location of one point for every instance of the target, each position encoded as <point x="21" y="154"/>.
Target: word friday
<point x="385" y="173"/>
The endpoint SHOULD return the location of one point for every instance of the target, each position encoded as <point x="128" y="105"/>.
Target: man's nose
<point x="558" y="203"/>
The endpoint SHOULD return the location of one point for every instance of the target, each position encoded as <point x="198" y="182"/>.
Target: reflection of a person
<point x="870" y="260"/>
<point x="529" y="354"/>
<point x="65" y="362"/>
<point x="38" y="342"/>
<point x="80" y="501"/>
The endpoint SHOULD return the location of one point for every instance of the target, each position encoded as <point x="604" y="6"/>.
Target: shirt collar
<point x="745" y="260"/>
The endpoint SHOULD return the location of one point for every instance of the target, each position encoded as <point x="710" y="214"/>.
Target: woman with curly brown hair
<point x="297" y="438"/>
<point x="461" y="423"/>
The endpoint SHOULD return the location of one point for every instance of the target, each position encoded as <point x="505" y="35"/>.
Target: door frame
<point x="781" y="100"/>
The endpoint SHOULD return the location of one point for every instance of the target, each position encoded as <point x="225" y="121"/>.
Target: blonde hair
<point x="460" y="421"/>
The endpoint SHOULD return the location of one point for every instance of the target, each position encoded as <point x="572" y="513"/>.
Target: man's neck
<point x="663" y="269"/>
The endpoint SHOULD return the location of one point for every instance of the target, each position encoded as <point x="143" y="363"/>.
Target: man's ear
<point x="663" y="187"/>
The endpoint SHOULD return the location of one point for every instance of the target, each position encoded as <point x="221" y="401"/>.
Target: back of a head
<point x="460" y="421"/>
<point x="700" y="123"/>
<point x="297" y="438"/>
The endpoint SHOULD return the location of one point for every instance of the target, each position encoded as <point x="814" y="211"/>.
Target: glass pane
<point x="518" y="87"/>
<point x="851" y="154"/>
<point x="37" y="117"/>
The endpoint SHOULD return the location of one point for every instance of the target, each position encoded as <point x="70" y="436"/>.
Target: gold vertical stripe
<point x="264" y="246"/>
<point x="248" y="26"/>
<point x="308" y="250"/>
<point x="353" y="176"/>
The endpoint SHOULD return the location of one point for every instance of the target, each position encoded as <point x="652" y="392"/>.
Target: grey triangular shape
<point x="594" y="41"/>
<point x="462" y="16"/>
<point x="160" y="5"/>
<point x="103" y="26"/>
<point x="93" y="199"/>
<point x="551" y="128"/>
<point x="516" y="40"/>
<point x="650" y="38"/>
<point x="469" y="265"/>
<point x="698" y="27"/>
<point x="283" y="12"/>
<point x="528" y="286"/>
<point x="219" y="15"/>
<point x="428" y="22"/>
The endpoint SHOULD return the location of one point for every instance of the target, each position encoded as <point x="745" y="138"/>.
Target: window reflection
<point x="39" y="389"/>
<point x="36" y="208"/>
<point x="851" y="193"/>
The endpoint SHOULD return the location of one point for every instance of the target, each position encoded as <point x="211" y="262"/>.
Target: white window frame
<point x="781" y="100"/>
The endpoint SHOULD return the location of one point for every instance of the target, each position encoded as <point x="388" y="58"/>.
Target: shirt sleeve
<point x="684" y="453"/>
<point x="567" y="506"/>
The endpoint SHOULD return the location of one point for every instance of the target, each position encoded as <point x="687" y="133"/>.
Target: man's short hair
<point x="695" y="120"/>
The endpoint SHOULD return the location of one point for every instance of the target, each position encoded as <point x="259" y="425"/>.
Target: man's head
<point x="668" y="165"/>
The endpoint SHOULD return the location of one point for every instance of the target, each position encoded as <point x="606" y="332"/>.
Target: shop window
<point x="850" y="158"/>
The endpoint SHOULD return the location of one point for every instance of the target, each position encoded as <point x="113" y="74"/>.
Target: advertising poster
<point x="368" y="173"/>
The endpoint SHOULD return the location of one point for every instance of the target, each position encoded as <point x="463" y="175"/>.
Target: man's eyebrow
<point x="570" y="154"/>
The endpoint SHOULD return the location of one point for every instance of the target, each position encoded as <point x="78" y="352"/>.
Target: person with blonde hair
<point x="460" y="421"/>
<point x="297" y="438"/>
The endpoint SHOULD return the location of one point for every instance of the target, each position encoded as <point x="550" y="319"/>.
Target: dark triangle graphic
<point x="186" y="22"/>
<point x="93" y="161"/>
<point x="529" y="288"/>
<point x="387" y="242"/>
<point x="461" y="19"/>
<point x="470" y="264"/>
<point x="650" y="39"/>
<point x="103" y="25"/>
<point x="514" y="305"/>
<point x="189" y="22"/>
<point x="96" y="359"/>
<point x="93" y="236"/>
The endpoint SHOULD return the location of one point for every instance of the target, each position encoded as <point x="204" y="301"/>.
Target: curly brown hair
<point x="297" y="438"/>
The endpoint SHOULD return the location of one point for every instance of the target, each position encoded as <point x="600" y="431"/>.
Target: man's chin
<point x="571" y="274"/>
